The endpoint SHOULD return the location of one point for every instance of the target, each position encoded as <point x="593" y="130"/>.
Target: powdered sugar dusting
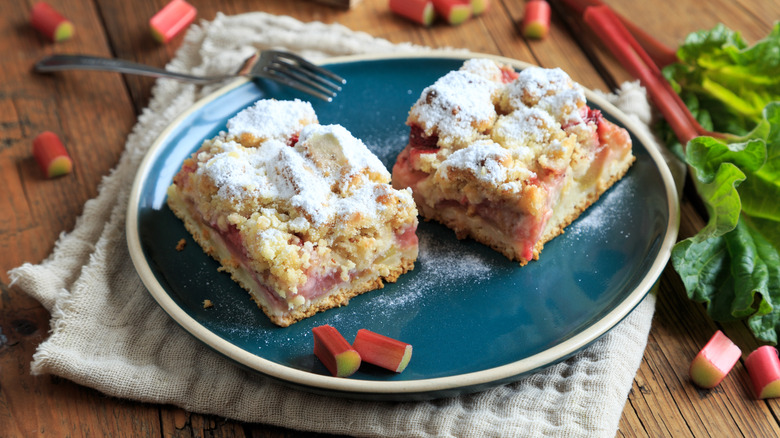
<point x="598" y="222"/>
<point x="441" y="263"/>
<point x="328" y="173"/>
<point x="550" y="89"/>
<point x="272" y="119"/>
<point x="482" y="158"/>
<point x="342" y="145"/>
<point x="524" y="126"/>
<point x="483" y="67"/>
<point x="455" y="104"/>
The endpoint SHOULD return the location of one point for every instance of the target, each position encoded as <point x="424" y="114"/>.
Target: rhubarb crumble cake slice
<point x="509" y="159"/>
<point x="301" y="215"/>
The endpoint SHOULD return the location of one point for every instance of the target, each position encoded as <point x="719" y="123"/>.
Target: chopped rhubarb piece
<point x="714" y="361"/>
<point x="763" y="365"/>
<point x="334" y="351"/>
<point x="51" y="156"/>
<point x="453" y="11"/>
<point x="172" y="19"/>
<point x="536" y="19"/>
<point x="50" y="23"/>
<point x="508" y="74"/>
<point x="478" y="7"/>
<point x="419" y="11"/>
<point x="382" y="351"/>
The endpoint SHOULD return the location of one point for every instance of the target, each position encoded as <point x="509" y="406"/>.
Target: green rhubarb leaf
<point x="737" y="275"/>
<point x="766" y="324"/>
<point x="761" y="198"/>
<point x="732" y="264"/>
<point x="732" y="80"/>
<point x="722" y="200"/>
<point x="700" y="265"/>
<point x="706" y="154"/>
<point x="760" y="193"/>
<point x="768" y="228"/>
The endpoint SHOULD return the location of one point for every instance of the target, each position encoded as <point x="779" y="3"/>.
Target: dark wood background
<point x="94" y="112"/>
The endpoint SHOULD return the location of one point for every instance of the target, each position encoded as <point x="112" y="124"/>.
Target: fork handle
<point x="54" y="63"/>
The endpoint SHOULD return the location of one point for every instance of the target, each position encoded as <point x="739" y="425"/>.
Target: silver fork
<point x="283" y="67"/>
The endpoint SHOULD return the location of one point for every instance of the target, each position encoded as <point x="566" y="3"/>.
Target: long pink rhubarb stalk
<point x="661" y="54"/>
<point x="619" y="41"/>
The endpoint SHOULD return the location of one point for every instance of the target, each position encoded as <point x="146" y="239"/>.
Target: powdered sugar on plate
<point x="441" y="264"/>
<point x="597" y="222"/>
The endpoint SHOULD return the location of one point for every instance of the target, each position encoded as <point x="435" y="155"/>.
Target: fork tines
<point x="296" y="72"/>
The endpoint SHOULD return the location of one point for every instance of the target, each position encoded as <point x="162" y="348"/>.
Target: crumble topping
<point x="483" y="67"/>
<point x="456" y="107"/>
<point x="328" y="176"/>
<point x="271" y="120"/>
<point x="533" y="123"/>
<point x="549" y="89"/>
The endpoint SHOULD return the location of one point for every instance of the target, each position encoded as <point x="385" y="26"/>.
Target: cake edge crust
<point x="216" y="249"/>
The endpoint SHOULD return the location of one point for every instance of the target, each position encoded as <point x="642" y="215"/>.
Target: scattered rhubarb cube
<point x="478" y="7"/>
<point x="453" y="11"/>
<point x="50" y="23"/>
<point x="382" y="351"/>
<point x="334" y="351"/>
<point x="419" y="11"/>
<point x="172" y="19"/>
<point x="714" y="361"/>
<point x="51" y="156"/>
<point x="536" y="20"/>
<point x="763" y="366"/>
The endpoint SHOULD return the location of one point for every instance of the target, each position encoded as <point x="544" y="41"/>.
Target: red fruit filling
<point x="418" y="139"/>
<point x="318" y="283"/>
<point x="508" y="75"/>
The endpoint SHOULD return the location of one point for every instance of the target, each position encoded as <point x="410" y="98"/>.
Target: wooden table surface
<point x="94" y="113"/>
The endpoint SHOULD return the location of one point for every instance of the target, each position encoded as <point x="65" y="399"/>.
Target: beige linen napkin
<point x="109" y="334"/>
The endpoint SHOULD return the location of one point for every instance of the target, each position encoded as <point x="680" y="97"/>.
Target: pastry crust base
<point x="399" y="262"/>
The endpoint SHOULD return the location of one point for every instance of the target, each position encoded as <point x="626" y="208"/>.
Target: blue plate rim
<point x="439" y="385"/>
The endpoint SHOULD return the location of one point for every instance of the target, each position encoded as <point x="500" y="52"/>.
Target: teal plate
<point x="475" y="319"/>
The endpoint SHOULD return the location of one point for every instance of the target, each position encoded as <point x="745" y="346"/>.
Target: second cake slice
<point x="508" y="159"/>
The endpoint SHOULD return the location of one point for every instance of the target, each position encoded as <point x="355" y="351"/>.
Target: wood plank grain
<point x="93" y="112"/>
<point x="92" y="115"/>
<point x="679" y="19"/>
<point x="664" y="399"/>
<point x="561" y="49"/>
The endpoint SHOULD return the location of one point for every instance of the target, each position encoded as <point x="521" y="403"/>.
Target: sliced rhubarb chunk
<point x="46" y="20"/>
<point x="453" y="11"/>
<point x="419" y="11"/>
<point x="536" y="21"/>
<point x="763" y="366"/>
<point x="172" y="19"/>
<point x="382" y="351"/>
<point x="51" y="156"/>
<point x="334" y="351"/>
<point x="714" y="361"/>
<point x="479" y="7"/>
